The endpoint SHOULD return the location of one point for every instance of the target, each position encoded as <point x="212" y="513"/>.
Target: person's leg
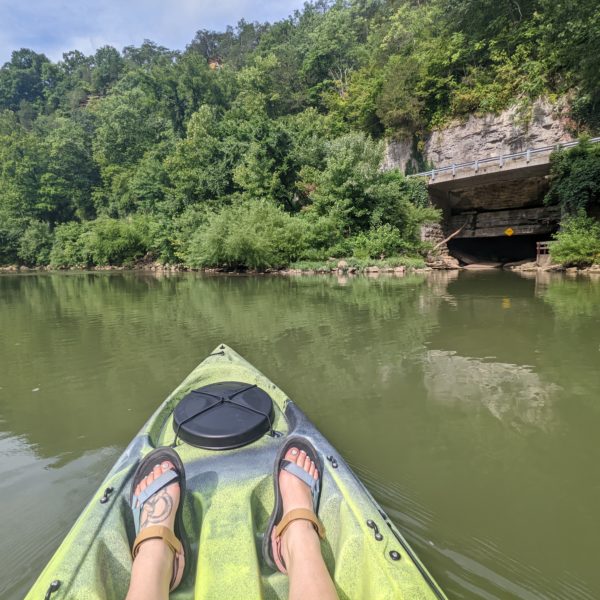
<point x="153" y="566"/>
<point x="300" y="546"/>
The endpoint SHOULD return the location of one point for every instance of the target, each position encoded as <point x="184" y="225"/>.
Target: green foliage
<point x="201" y="168"/>
<point x="35" y="244"/>
<point x="379" y="242"/>
<point x="12" y="228"/>
<point x="102" y="242"/>
<point x="68" y="247"/>
<point x="398" y="106"/>
<point x="253" y="234"/>
<point x="116" y="241"/>
<point x="160" y="146"/>
<point x="108" y="66"/>
<point x="575" y="178"/>
<point x="22" y="79"/>
<point x="578" y="242"/>
<point x="410" y="262"/>
<point x="65" y="187"/>
<point x="129" y="125"/>
<point x="361" y="196"/>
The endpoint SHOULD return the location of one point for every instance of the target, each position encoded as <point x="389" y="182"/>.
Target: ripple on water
<point x="25" y="479"/>
<point x="469" y="570"/>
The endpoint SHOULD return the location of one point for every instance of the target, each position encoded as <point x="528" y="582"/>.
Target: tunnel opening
<point x="501" y="249"/>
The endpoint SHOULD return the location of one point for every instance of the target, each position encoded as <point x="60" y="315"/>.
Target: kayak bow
<point x="227" y="504"/>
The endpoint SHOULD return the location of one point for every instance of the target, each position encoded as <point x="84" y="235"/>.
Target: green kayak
<point x="227" y="421"/>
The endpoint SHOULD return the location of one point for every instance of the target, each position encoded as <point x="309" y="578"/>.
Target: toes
<point x="316" y="474"/>
<point x="292" y="455"/>
<point x="307" y="463"/>
<point x="166" y="466"/>
<point x="154" y="474"/>
<point x="312" y="469"/>
<point x="301" y="459"/>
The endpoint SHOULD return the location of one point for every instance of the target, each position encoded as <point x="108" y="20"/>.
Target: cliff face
<point x="484" y="136"/>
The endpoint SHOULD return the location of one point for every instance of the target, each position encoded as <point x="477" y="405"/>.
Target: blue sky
<point x="56" y="26"/>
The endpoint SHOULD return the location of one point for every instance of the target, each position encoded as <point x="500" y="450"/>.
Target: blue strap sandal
<point x="177" y="474"/>
<point x="277" y="516"/>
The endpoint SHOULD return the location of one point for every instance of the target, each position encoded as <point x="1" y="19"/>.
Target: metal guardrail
<point x="500" y="160"/>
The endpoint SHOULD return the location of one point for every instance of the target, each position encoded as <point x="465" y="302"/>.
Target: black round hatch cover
<point x="223" y="415"/>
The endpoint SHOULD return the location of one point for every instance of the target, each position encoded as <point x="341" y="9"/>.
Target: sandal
<point x="295" y="514"/>
<point x="172" y="539"/>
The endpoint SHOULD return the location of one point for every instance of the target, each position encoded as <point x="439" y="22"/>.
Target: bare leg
<point x="153" y="566"/>
<point x="300" y="546"/>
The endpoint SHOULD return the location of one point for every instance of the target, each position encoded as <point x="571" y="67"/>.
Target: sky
<point x="56" y="26"/>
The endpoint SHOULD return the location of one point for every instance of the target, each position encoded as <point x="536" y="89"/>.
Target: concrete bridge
<point x="494" y="206"/>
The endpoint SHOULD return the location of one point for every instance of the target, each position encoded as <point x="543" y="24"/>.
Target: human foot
<point x="297" y="501"/>
<point x="156" y="536"/>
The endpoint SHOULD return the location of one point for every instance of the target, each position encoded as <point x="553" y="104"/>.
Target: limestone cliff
<point x="484" y="136"/>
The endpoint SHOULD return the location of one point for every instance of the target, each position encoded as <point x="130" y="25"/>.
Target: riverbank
<point x="331" y="267"/>
<point x="184" y="269"/>
<point x="397" y="265"/>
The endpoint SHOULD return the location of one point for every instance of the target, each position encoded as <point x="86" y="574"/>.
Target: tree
<point x="201" y="166"/>
<point x="575" y="178"/>
<point x="70" y="172"/>
<point x="107" y="68"/>
<point x="148" y="55"/>
<point x="21" y="79"/>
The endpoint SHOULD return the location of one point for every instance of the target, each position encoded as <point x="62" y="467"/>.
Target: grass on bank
<point x="409" y="262"/>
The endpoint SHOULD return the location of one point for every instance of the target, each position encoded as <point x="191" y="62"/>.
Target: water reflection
<point x="512" y="394"/>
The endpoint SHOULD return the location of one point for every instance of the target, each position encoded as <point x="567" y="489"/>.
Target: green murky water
<point x="469" y="404"/>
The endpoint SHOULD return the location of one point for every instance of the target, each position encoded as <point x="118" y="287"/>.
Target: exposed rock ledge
<point x="485" y="136"/>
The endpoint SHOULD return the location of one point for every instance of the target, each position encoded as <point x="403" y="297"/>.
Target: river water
<point x="468" y="403"/>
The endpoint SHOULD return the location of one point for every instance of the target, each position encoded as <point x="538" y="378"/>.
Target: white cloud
<point x="57" y="26"/>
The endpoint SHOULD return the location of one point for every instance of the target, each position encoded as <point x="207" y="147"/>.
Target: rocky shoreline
<point x="342" y="267"/>
<point x="179" y="268"/>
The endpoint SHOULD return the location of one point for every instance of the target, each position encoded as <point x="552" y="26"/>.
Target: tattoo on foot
<point x="157" y="509"/>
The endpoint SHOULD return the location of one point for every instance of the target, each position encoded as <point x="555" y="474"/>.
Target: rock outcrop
<point x="485" y="136"/>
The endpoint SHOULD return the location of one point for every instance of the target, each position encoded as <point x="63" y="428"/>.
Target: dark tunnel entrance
<point x="503" y="249"/>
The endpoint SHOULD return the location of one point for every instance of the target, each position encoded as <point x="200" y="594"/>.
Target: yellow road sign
<point x="508" y="232"/>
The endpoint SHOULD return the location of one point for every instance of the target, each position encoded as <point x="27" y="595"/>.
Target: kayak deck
<point x="226" y="508"/>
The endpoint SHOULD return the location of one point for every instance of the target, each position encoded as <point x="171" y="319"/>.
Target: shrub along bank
<point x="355" y="210"/>
<point x="575" y="186"/>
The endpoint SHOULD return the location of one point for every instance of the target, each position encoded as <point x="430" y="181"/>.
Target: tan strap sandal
<point x="157" y="532"/>
<point x="300" y="514"/>
<point x="161" y="532"/>
<point x="278" y="522"/>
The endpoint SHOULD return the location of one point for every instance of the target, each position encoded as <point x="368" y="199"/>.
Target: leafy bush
<point x="575" y="177"/>
<point x="378" y="242"/>
<point x="353" y="187"/>
<point x="35" y="244"/>
<point x="255" y="234"/>
<point x="117" y="241"/>
<point x="181" y="232"/>
<point x="578" y="242"/>
<point x="67" y="249"/>
<point x="323" y="235"/>
<point x="11" y="230"/>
